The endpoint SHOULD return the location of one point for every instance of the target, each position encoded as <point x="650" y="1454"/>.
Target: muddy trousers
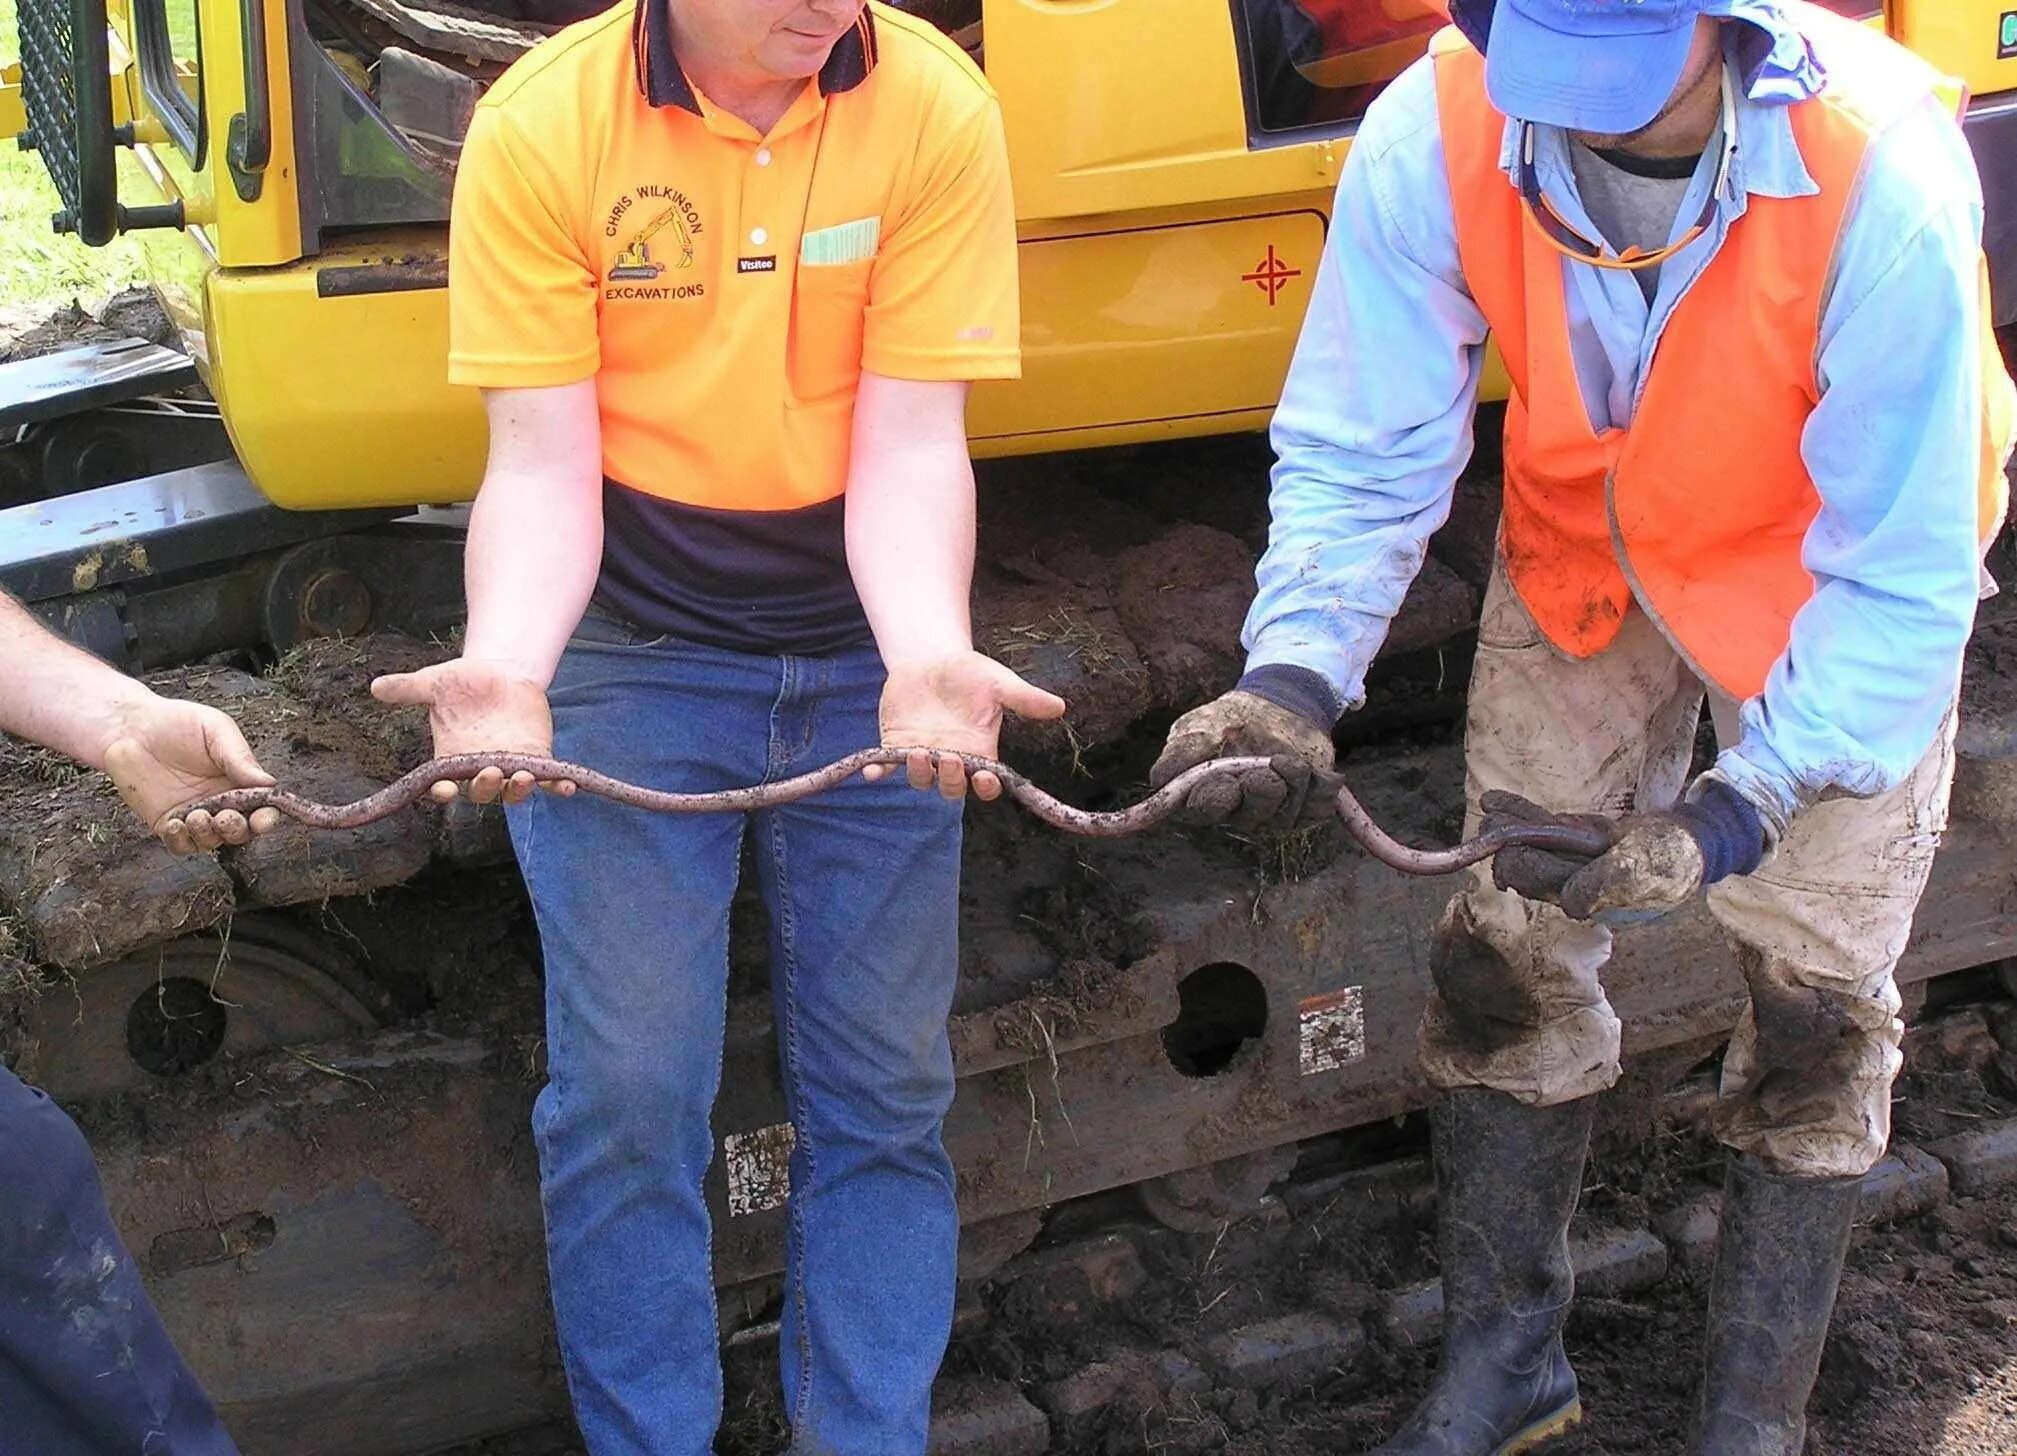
<point x="861" y="888"/>
<point x="1806" y="1087"/>
<point x="85" y="1367"/>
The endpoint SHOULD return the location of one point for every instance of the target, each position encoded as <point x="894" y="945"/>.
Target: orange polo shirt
<point x="725" y="290"/>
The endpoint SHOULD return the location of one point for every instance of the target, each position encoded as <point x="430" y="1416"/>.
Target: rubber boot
<point x="1507" y="1177"/>
<point x="1778" y="1262"/>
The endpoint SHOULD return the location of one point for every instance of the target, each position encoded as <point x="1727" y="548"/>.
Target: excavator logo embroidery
<point x="665" y="241"/>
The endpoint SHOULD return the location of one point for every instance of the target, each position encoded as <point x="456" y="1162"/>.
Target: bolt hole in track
<point x="175" y="1025"/>
<point x="172" y="1010"/>
<point x="1221" y="1010"/>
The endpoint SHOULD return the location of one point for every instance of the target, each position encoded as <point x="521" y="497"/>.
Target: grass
<point x="41" y="271"/>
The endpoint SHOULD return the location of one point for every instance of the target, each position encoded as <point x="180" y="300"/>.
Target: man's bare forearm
<point x="57" y="694"/>
<point x="910" y="522"/>
<point x="910" y="544"/>
<point x="535" y="535"/>
<point x="529" y="571"/>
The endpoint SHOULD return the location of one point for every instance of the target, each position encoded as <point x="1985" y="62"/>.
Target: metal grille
<point x="49" y="93"/>
<point x="67" y="93"/>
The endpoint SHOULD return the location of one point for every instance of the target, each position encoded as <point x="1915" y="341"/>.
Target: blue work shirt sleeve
<point x="1376" y="415"/>
<point x="1893" y="447"/>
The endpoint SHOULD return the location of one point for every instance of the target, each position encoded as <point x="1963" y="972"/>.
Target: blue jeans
<point x="861" y="885"/>
<point x="85" y="1367"/>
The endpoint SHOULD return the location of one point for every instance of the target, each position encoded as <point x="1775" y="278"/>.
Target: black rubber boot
<point x="1778" y="1262"/>
<point x="1507" y="1177"/>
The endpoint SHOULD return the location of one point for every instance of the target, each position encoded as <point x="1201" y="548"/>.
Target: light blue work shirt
<point x="1375" y="422"/>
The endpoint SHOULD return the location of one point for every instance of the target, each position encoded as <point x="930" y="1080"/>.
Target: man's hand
<point x="955" y="703"/>
<point x="163" y="752"/>
<point x="1239" y="725"/>
<point x="477" y="706"/>
<point x="1658" y="862"/>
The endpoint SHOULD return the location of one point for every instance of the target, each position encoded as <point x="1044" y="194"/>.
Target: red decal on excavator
<point x="1271" y="275"/>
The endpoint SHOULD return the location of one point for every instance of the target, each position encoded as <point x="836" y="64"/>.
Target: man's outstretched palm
<point x="955" y="703"/>
<point x="475" y="706"/>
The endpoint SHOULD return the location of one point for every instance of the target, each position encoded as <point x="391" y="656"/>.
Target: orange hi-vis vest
<point x="1703" y="502"/>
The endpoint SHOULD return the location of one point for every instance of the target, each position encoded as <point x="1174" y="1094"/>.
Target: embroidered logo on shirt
<point x="846" y="242"/>
<point x="766" y="264"/>
<point x="658" y="225"/>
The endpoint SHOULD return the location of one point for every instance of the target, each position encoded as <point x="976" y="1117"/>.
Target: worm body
<point x="1105" y="824"/>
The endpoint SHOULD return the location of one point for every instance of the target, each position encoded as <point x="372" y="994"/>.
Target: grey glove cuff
<point x="1299" y="690"/>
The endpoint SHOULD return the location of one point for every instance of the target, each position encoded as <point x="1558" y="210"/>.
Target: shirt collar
<point x="1776" y="67"/>
<point x="664" y="83"/>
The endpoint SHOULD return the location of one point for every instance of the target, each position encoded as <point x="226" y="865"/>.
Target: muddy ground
<point x="130" y="313"/>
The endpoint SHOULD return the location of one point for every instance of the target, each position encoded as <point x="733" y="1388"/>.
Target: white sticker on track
<point x="759" y="1168"/>
<point x="1333" y="1029"/>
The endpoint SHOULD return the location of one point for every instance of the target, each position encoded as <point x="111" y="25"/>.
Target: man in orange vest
<point x="1730" y="251"/>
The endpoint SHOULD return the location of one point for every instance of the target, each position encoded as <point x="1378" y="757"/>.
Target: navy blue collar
<point x="663" y="83"/>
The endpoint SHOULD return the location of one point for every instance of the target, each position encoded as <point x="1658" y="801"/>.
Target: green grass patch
<point x="41" y="270"/>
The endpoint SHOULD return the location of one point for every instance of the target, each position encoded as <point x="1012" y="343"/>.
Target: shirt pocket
<point x="828" y="303"/>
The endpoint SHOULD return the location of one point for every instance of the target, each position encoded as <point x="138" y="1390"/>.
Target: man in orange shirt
<point x="724" y="269"/>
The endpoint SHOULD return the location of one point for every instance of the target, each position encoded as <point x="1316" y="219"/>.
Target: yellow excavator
<point x="306" y="1066"/>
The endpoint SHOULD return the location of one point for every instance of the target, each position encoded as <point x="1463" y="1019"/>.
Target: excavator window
<point x="1318" y="64"/>
<point x="171" y="69"/>
<point x="387" y="94"/>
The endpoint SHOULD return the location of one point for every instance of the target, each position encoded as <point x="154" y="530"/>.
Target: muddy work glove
<point x="1242" y="724"/>
<point x="1657" y="862"/>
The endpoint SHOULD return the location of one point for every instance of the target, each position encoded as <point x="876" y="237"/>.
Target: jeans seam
<point x="795" y="1092"/>
<point x="556" y="1036"/>
<point x="777" y="707"/>
<point x="532" y="813"/>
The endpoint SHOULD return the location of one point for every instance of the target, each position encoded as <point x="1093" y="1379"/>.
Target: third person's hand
<point x="166" y="752"/>
<point x="1242" y="725"/>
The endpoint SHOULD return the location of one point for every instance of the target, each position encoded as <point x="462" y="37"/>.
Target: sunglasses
<point x="1564" y="239"/>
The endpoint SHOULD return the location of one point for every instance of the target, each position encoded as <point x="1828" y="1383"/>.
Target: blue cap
<point x="1588" y="65"/>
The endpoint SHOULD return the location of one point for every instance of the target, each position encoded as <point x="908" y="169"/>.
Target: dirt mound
<point x="130" y="313"/>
